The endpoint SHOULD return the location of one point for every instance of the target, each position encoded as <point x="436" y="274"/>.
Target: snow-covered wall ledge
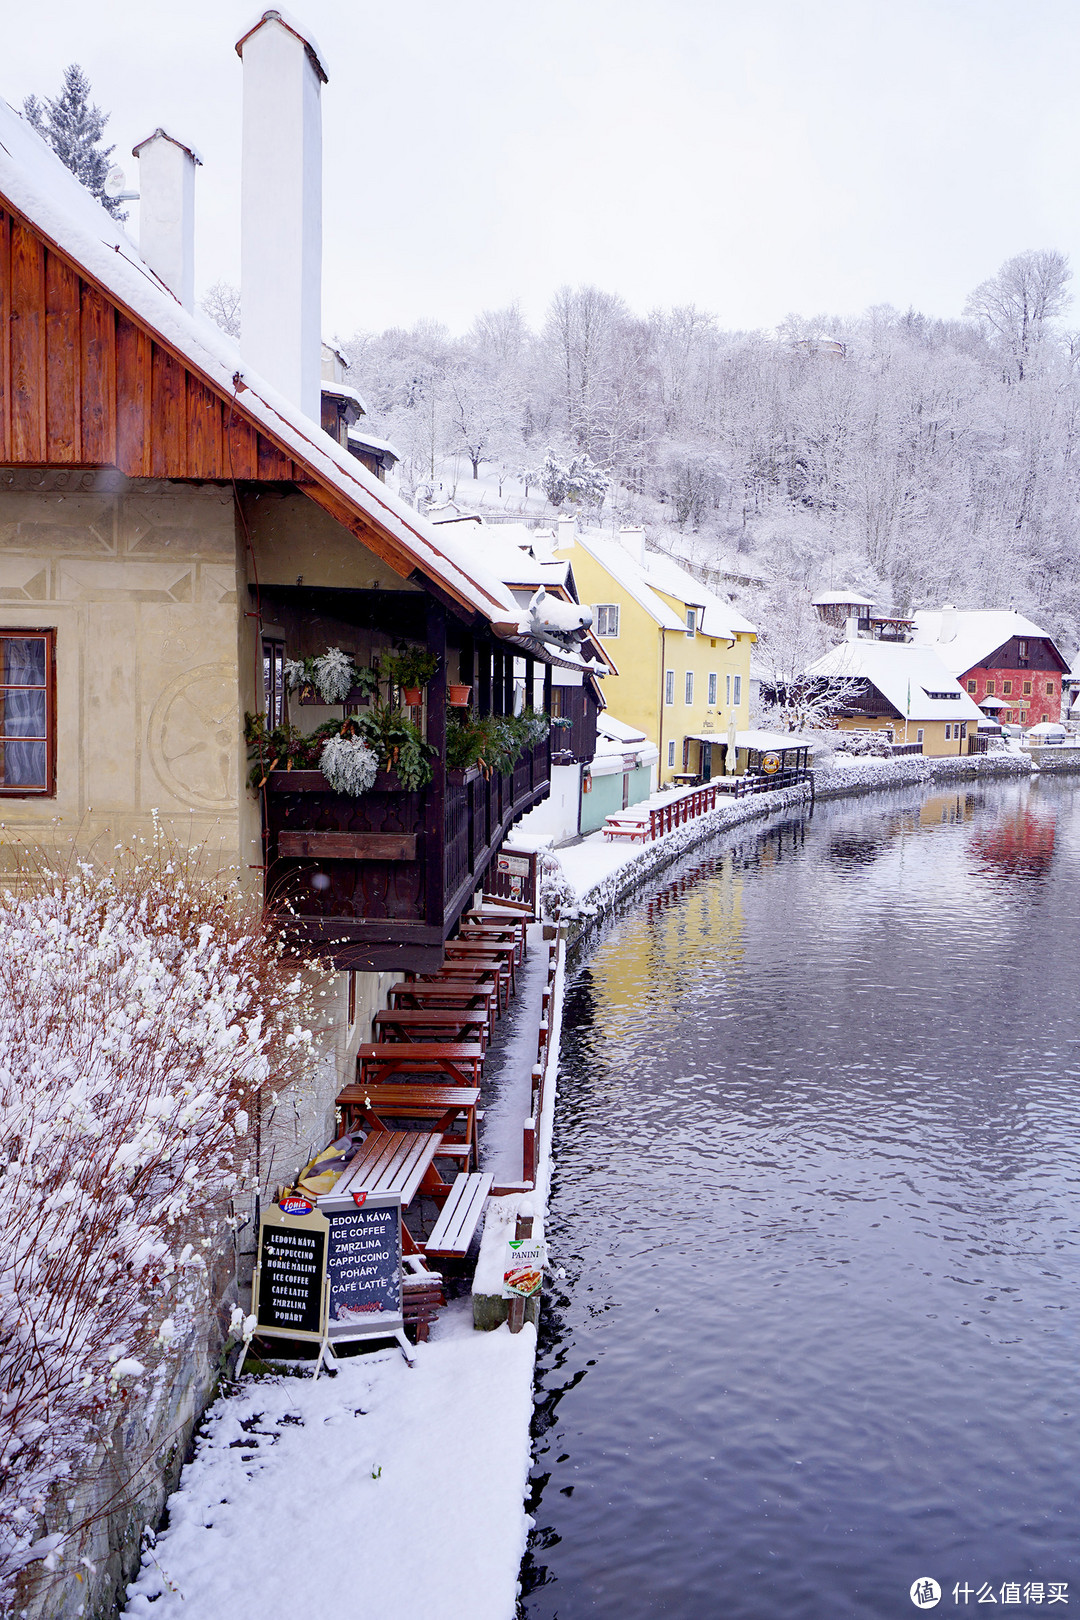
<point x="844" y="774"/>
<point x="649" y="859"/>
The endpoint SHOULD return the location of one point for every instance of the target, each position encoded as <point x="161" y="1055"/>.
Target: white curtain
<point x="24" y="711"/>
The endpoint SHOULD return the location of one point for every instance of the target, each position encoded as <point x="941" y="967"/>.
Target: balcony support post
<point x="435" y="828"/>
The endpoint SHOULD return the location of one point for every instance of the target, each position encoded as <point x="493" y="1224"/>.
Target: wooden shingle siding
<point x="83" y="384"/>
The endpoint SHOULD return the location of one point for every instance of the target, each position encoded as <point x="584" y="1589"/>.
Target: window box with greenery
<point x="349" y="753"/>
<point x="494" y="743"/>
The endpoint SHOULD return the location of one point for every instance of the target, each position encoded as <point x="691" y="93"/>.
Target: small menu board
<point x="290" y="1277"/>
<point x="363" y="1265"/>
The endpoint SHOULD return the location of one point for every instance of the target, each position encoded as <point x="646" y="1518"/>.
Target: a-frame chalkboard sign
<point x="289" y="1291"/>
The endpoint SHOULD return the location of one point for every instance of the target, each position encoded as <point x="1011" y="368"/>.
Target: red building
<point x="999" y="655"/>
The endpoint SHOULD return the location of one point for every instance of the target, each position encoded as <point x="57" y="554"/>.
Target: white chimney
<point x="543" y="545"/>
<point x="281" y="210"/>
<point x="567" y="531"/>
<point x="947" y="632"/>
<point x="167" y="211"/>
<point x="851" y="629"/>
<point x="633" y="540"/>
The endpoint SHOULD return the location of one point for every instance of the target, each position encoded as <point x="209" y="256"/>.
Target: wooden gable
<point x="84" y="384"/>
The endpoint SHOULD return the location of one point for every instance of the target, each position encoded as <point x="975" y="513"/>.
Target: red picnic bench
<point x="444" y="1106"/>
<point x="432" y="1024"/>
<point x="461" y="1061"/>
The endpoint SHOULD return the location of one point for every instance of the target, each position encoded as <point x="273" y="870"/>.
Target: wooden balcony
<point x="376" y="883"/>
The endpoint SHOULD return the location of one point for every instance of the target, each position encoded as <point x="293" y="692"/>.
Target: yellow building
<point x="902" y="689"/>
<point x="683" y="655"/>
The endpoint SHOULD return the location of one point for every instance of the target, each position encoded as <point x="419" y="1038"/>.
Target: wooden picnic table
<point x="500" y="933"/>
<point x="506" y="919"/>
<point x="471" y="950"/>
<point x="396" y="1162"/>
<point x="461" y="1061"/>
<point x="477" y="968"/>
<point x="408" y="1024"/>
<point x="455" y="993"/>
<point x="443" y="1105"/>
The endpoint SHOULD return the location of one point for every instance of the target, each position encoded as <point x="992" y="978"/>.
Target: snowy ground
<point x="384" y="1493"/>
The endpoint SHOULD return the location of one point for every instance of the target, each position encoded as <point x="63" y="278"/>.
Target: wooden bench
<point x="633" y="828"/>
<point x="461" y="1061"/>
<point x="422" y="1293"/>
<point x="454" y="1229"/>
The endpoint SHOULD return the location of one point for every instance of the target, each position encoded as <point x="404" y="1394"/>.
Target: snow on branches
<point x="141" y="1014"/>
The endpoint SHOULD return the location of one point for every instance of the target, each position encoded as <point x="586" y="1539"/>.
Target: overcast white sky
<point x="755" y="157"/>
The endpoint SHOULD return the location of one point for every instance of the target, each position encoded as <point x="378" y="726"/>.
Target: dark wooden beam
<point x="328" y="846"/>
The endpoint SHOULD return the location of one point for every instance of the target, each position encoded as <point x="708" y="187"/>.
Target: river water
<point x="818" y="1160"/>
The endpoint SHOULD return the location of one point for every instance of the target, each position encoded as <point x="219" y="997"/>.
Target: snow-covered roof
<point x="839" y="598"/>
<point x="764" y="741"/>
<point x="618" y="730"/>
<point x="1047" y="728"/>
<point x="978" y="633"/>
<point x="34" y="183"/>
<point x="345" y="391"/>
<point x="904" y="673"/>
<point x="615" y="740"/>
<point x="658" y="573"/>
<point x="368" y="441"/>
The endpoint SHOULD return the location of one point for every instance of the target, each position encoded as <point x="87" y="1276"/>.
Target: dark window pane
<point x="22" y="661"/>
<point x="22" y="714"/>
<point x="22" y="764"/>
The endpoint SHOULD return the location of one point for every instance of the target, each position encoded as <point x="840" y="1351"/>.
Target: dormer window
<point x="691" y="621"/>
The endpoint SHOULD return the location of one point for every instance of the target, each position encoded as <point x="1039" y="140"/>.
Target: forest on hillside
<point x="921" y="460"/>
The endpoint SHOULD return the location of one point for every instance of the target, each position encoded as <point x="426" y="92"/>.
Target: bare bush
<point x="142" y="1012"/>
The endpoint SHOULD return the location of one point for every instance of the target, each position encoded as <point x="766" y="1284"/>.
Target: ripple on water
<point x="816" y="1195"/>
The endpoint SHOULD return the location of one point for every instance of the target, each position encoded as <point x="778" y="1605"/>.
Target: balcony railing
<point x="377" y="882"/>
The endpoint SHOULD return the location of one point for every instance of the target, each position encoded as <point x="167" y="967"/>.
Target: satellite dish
<point x="115" y="186"/>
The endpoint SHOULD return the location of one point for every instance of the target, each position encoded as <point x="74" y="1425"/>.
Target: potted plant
<point x="410" y="668"/>
<point x="330" y="678"/>
<point x="458" y="695"/>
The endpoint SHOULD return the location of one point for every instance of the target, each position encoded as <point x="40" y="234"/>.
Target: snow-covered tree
<point x="73" y="127"/>
<point x="1028" y="291"/>
<point x="222" y="303"/>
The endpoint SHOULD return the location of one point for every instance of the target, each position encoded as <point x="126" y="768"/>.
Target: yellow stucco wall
<point x="141" y="589"/>
<point x="934" y="742"/>
<point x="643" y="652"/>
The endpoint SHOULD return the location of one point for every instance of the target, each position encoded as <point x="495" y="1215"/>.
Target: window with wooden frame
<point x="688" y="696"/>
<point x="1006" y="687"/>
<point x="973" y="686"/>
<point x="273" y="652"/>
<point x="990" y="688"/>
<point x="27" y="713"/>
<point x="691" y="622"/>
<point x="669" y="686"/>
<point x="1049" y="688"/>
<point x="712" y="691"/>
<point x="607" y="619"/>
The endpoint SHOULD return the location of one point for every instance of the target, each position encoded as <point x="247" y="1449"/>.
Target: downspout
<point x="663" y="669"/>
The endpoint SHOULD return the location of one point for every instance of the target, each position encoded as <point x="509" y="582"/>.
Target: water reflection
<point x="816" y="1205"/>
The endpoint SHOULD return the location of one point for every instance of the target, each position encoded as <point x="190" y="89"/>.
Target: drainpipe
<point x="663" y="669"/>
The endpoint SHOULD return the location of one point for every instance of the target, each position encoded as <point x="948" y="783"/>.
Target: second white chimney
<point x="281" y="210"/>
<point x="167" y="211"/>
<point x="947" y="631"/>
<point x="633" y="541"/>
